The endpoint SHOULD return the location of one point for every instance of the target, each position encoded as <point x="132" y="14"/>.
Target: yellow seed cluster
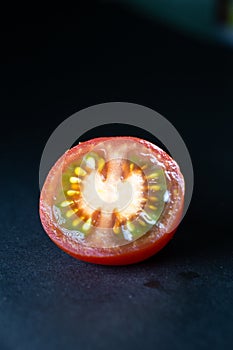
<point x="72" y="193"/>
<point x="131" y="167"/>
<point x="152" y="207"/>
<point x="101" y="164"/>
<point x="77" y="221"/>
<point x="116" y="229"/>
<point x="71" y="212"/>
<point x="154" y="187"/>
<point x="141" y="222"/>
<point x="80" y="171"/>
<point x="152" y="176"/>
<point x="153" y="199"/>
<point x="98" y="163"/>
<point x="75" y="180"/>
<point x="66" y="203"/>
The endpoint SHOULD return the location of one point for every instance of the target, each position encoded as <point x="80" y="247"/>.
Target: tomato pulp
<point x="112" y="200"/>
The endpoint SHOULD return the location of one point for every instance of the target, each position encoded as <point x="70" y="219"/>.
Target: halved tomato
<point x="112" y="200"/>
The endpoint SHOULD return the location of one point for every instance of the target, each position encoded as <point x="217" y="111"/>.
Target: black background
<point x="54" y="63"/>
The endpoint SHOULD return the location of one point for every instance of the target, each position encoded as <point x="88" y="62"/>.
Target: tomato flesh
<point x="112" y="200"/>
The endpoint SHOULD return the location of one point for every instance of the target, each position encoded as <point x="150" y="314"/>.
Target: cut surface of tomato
<point x="112" y="200"/>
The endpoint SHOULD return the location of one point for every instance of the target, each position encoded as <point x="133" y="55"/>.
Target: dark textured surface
<point x="180" y="298"/>
<point x="183" y="297"/>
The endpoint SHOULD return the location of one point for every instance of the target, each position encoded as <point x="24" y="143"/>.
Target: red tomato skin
<point x="123" y="259"/>
<point x="104" y="256"/>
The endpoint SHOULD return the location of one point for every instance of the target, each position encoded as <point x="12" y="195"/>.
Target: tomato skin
<point x="123" y="259"/>
<point x="144" y="247"/>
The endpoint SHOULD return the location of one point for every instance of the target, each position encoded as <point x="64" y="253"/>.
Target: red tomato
<point x="112" y="200"/>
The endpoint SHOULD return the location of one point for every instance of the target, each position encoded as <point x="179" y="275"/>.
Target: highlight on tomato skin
<point x="112" y="200"/>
